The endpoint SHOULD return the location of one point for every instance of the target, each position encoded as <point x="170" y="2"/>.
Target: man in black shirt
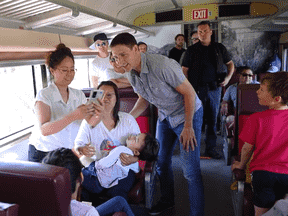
<point x="176" y="52"/>
<point x="209" y="67"/>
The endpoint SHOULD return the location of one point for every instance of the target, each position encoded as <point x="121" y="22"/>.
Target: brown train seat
<point x="38" y="189"/>
<point x="35" y="189"/>
<point x="247" y="104"/>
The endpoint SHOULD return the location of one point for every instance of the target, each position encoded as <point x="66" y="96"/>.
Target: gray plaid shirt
<point x="157" y="82"/>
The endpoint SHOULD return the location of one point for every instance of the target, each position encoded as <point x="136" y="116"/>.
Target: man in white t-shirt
<point x="101" y="62"/>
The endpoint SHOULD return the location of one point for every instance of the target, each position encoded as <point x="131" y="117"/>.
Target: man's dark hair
<point x="241" y="69"/>
<point x="205" y="22"/>
<point x="64" y="157"/>
<point x="193" y="32"/>
<point x="140" y="43"/>
<point x="150" y="150"/>
<point x="178" y="35"/>
<point x="277" y="85"/>
<point x="117" y="104"/>
<point x="124" y="39"/>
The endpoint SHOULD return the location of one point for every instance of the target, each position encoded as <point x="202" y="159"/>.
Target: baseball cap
<point x="100" y="36"/>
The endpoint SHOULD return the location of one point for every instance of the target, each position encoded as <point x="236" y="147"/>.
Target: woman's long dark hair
<point x="117" y="104"/>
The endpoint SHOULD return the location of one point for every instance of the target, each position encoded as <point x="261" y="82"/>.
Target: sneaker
<point x="160" y="207"/>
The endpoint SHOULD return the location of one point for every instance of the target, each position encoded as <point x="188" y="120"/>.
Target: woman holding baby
<point x="108" y="128"/>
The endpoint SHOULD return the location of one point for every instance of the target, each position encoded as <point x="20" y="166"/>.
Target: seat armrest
<point x="135" y="195"/>
<point x="150" y="182"/>
<point x="8" y="209"/>
<point x="239" y="174"/>
<point x="149" y="166"/>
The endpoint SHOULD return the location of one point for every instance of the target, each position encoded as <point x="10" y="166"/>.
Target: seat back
<point x="247" y="104"/>
<point x="38" y="189"/>
<point x="147" y="119"/>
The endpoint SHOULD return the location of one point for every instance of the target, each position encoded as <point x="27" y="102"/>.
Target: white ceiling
<point x="87" y="17"/>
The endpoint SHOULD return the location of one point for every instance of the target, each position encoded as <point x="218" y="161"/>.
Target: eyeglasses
<point x="245" y="75"/>
<point x="194" y="39"/>
<point x="112" y="59"/>
<point x="101" y="44"/>
<point x="65" y="71"/>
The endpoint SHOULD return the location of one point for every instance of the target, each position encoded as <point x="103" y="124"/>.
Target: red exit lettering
<point x="200" y="14"/>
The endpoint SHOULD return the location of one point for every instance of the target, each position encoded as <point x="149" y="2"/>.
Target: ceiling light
<point x="96" y="28"/>
<point x="280" y="22"/>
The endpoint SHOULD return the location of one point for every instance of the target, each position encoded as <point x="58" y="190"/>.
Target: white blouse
<point x="64" y="138"/>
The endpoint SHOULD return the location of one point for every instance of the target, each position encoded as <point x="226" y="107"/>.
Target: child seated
<point x="266" y="135"/>
<point x="106" y="172"/>
<point x="64" y="157"/>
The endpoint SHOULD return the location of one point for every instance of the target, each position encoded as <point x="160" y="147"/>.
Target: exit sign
<point x="199" y="14"/>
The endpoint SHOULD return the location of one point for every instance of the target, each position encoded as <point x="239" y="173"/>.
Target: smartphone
<point x="94" y="95"/>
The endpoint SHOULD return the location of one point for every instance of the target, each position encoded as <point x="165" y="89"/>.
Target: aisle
<point x="216" y="179"/>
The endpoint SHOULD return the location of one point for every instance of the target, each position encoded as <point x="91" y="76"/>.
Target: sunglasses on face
<point x="101" y="44"/>
<point x="245" y="75"/>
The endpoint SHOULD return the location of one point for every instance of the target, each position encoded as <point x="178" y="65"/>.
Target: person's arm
<point x="82" y="144"/>
<point x="43" y="113"/>
<point x="139" y="107"/>
<point x="246" y="153"/>
<point x="121" y="82"/>
<point x="224" y="108"/>
<point x="230" y="68"/>
<point x="185" y="71"/>
<point x="187" y="137"/>
<point x="110" y="159"/>
<point x="94" y="81"/>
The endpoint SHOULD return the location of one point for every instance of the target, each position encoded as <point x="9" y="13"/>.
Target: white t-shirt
<point x="111" y="74"/>
<point x="126" y="126"/>
<point x="64" y="138"/>
<point x="100" y="66"/>
<point x="82" y="209"/>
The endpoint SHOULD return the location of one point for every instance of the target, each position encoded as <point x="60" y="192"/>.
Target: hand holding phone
<point x="94" y="95"/>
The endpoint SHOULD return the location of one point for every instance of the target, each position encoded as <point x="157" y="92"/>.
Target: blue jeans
<point x="115" y="204"/>
<point x="35" y="155"/>
<point x="211" y="103"/>
<point x="91" y="182"/>
<point x="190" y="163"/>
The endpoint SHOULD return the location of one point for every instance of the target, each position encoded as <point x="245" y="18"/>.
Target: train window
<point x="81" y="79"/>
<point x="18" y="86"/>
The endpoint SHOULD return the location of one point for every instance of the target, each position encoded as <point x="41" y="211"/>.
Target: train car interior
<point x="255" y="33"/>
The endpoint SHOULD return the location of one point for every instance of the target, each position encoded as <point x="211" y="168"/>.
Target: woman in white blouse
<point x="59" y="109"/>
